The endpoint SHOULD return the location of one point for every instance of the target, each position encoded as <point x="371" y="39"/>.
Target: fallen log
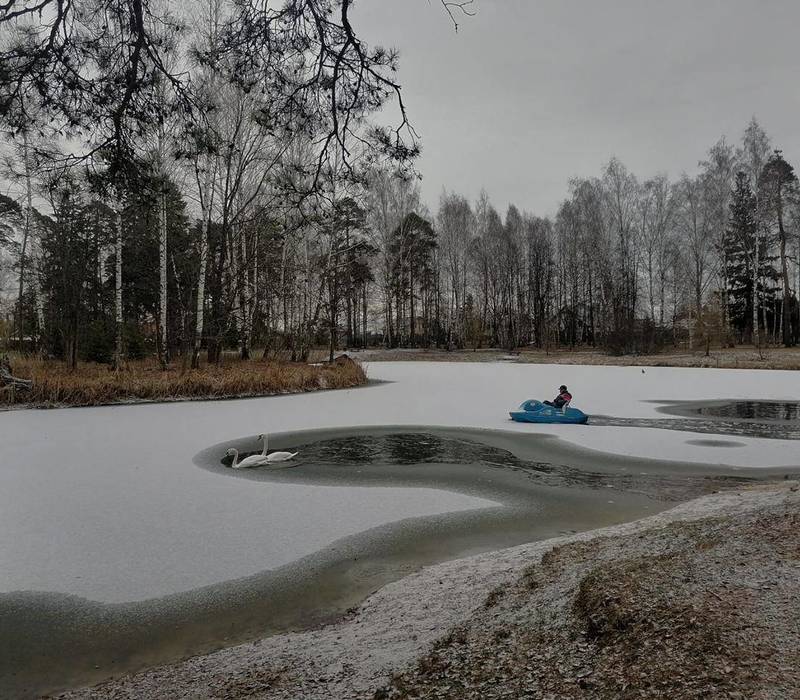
<point x="7" y="379"/>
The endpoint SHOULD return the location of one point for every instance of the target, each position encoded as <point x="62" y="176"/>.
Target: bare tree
<point x="753" y="155"/>
<point x="657" y="214"/>
<point x="718" y="172"/>
<point x="456" y="225"/>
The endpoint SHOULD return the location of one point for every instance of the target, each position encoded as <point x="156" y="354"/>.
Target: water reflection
<point x="403" y="449"/>
<point x="349" y="458"/>
<point x="754" y="410"/>
<point x="720" y="419"/>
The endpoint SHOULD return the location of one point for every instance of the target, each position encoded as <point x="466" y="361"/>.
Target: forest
<point x="182" y="187"/>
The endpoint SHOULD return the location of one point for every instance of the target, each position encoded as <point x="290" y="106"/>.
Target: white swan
<point x="251" y="461"/>
<point x="275" y="456"/>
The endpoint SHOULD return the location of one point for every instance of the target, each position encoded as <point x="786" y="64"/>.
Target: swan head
<point x="261" y="437"/>
<point x="229" y="452"/>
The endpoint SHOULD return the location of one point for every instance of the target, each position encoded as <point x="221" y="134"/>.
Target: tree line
<point x="185" y="171"/>
<point x="625" y="265"/>
<point x="222" y="187"/>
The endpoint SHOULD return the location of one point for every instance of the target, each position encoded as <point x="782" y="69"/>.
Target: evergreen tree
<point x="738" y="248"/>
<point x="411" y="250"/>
<point x="740" y="256"/>
<point x="69" y="268"/>
<point x="780" y="192"/>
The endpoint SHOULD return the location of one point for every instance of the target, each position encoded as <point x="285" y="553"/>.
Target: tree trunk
<point x="364" y="312"/>
<point x="205" y="226"/>
<point x="25" y="237"/>
<point x="118" y="289"/>
<point x="7" y="378"/>
<point x="39" y="316"/>
<point x="756" y="253"/>
<point x="786" y="321"/>
<point x="162" y="294"/>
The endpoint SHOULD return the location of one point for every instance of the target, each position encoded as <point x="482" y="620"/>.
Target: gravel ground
<point x="698" y="601"/>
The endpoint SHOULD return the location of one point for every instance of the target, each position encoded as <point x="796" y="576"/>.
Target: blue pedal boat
<point x="533" y="411"/>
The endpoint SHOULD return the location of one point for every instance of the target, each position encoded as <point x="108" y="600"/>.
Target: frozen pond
<point x="755" y="410"/>
<point x="115" y="533"/>
<point x="414" y="497"/>
<point x="767" y="411"/>
<point x="127" y="541"/>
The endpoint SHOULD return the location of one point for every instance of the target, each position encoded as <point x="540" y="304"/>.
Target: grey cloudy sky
<point x="532" y="92"/>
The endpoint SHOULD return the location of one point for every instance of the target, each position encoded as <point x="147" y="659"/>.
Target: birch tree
<point x="455" y="229"/>
<point x="753" y="155"/>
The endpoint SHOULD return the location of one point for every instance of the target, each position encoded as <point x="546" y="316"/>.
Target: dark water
<point x="401" y="448"/>
<point x="541" y="487"/>
<point x="779" y="420"/>
<point x="715" y="426"/>
<point x="401" y="458"/>
<point x="754" y="410"/>
<point x="715" y="443"/>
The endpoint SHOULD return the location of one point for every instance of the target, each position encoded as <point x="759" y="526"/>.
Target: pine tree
<point x="738" y="248"/>
<point x="780" y="192"/>
<point x="740" y="257"/>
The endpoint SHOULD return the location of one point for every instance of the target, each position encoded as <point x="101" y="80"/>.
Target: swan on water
<point x="251" y="461"/>
<point x="275" y="456"/>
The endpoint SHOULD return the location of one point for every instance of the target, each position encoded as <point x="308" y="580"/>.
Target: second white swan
<point x="251" y="461"/>
<point x="275" y="456"/>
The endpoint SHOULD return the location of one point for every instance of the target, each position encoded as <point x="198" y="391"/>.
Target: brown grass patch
<point x="781" y="533"/>
<point x="657" y="636"/>
<point x="458" y="635"/>
<point x="254" y="682"/>
<point x="696" y="612"/>
<point x="563" y="554"/>
<point x="494" y="597"/>
<point x="54" y="384"/>
<point x="530" y="578"/>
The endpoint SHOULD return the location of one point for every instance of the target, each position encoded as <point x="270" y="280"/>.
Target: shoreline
<point x="185" y="399"/>
<point x="403" y="621"/>
<point x="54" y="386"/>
<point x="540" y="486"/>
<point x="479" y="395"/>
<point x="745" y="358"/>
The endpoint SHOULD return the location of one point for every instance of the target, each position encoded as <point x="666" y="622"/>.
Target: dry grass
<point x="666" y="638"/>
<point x="704" y="609"/>
<point x="54" y="384"/>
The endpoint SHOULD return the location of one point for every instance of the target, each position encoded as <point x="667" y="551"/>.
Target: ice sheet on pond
<point x="96" y="501"/>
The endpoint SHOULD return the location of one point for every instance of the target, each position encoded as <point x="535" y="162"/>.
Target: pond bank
<point x="54" y="385"/>
<point x="495" y="490"/>
<point x="109" y="513"/>
<point x="743" y="357"/>
<point x="738" y="547"/>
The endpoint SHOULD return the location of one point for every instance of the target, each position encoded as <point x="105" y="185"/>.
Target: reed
<point x="54" y="384"/>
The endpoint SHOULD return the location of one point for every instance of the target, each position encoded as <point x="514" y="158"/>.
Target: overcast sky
<point x="532" y="92"/>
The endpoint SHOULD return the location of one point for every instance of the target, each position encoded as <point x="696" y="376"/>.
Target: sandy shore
<point x="396" y="644"/>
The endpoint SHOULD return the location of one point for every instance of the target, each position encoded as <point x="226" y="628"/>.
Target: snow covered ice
<point x="107" y="504"/>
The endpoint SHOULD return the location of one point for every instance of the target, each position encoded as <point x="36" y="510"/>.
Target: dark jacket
<point x="561" y="399"/>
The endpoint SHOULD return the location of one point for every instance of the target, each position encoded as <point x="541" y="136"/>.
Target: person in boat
<point x="563" y="398"/>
